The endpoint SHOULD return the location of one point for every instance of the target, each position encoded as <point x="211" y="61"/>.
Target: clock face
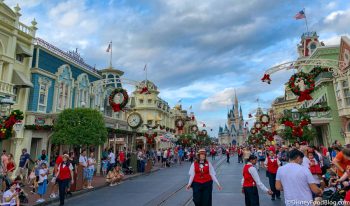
<point x="134" y="120"/>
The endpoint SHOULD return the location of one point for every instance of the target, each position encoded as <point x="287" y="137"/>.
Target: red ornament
<point x="266" y="78"/>
<point x="144" y="90"/>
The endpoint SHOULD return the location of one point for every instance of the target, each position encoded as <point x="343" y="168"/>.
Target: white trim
<point x="47" y="83"/>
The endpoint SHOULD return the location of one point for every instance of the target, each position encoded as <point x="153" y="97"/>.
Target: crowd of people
<point x="303" y="172"/>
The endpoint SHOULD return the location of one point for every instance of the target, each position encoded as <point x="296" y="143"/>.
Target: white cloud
<point x="333" y="16"/>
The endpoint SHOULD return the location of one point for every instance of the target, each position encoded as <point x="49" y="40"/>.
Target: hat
<point x="201" y="151"/>
<point x="65" y="155"/>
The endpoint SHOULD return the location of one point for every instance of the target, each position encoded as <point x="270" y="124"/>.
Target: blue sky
<point x="197" y="51"/>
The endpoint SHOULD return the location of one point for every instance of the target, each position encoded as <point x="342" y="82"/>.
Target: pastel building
<point x="62" y="80"/>
<point x="16" y="49"/>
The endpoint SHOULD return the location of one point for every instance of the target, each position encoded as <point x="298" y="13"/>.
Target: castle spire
<point x="236" y="105"/>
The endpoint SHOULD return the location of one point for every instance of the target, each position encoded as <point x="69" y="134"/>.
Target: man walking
<point x="227" y="155"/>
<point x="240" y="155"/>
<point x="23" y="164"/>
<point x="296" y="181"/>
<point x="250" y="180"/>
<point x="272" y="163"/>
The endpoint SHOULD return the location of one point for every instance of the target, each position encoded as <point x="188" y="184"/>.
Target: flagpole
<point x="110" y="58"/>
<point x="307" y="28"/>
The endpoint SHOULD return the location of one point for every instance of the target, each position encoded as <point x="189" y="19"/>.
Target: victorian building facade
<point x="16" y="49"/>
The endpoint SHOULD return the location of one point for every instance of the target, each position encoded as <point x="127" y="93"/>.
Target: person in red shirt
<point x="272" y="163"/>
<point x="202" y="175"/>
<point x="212" y="153"/>
<point x="240" y="155"/>
<point x="122" y="158"/>
<point x="64" y="176"/>
<point x="250" y="180"/>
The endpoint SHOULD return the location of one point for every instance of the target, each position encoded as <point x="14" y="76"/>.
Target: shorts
<point x="89" y="173"/>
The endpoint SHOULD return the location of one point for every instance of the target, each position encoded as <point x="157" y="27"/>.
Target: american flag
<point x="300" y="15"/>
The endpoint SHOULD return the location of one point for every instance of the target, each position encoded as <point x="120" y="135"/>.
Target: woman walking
<point x="90" y="170"/>
<point x="11" y="166"/>
<point x="202" y="175"/>
<point x="64" y="176"/>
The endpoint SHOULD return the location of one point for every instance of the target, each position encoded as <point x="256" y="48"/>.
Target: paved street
<point x="166" y="187"/>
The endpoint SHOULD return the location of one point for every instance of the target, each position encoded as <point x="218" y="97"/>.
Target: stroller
<point x="128" y="170"/>
<point x="333" y="195"/>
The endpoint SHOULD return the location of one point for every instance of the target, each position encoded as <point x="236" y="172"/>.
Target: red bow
<point x="144" y="90"/>
<point x="116" y="107"/>
<point x="266" y="78"/>
<point x="305" y="95"/>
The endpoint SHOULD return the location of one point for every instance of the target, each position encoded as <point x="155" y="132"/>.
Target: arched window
<point x="83" y="90"/>
<point x="64" y="84"/>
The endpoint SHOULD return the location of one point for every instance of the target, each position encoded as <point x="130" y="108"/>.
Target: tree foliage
<point x="80" y="126"/>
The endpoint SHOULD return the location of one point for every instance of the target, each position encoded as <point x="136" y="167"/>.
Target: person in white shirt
<point x="43" y="172"/>
<point x="250" y="180"/>
<point x="91" y="169"/>
<point x="111" y="160"/>
<point x="165" y="157"/>
<point x="202" y="175"/>
<point x="10" y="197"/>
<point x="84" y="163"/>
<point x="296" y="181"/>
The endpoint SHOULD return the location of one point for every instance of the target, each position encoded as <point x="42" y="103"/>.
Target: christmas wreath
<point x="150" y="138"/>
<point x="302" y="85"/>
<point x="6" y="125"/>
<point x="253" y="131"/>
<point x="265" y="119"/>
<point x="117" y="106"/>
<point x="194" y="128"/>
<point x="179" y="123"/>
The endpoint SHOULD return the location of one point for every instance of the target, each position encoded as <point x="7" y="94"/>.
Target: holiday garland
<point x="6" y="125"/>
<point x="39" y="127"/>
<point x="118" y="106"/>
<point x="150" y="138"/>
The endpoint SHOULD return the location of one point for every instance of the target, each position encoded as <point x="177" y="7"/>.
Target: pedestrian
<point x="342" y="160"/>
<point x="83" y="162"/>
<point x="165" y="158"/>
<point x="10" y="197"/>
<point x="23" y="165"/>
<point x="4" y="160"/>
<point x="121" y="158"/>
<point x="114" y="176"/>
<point x="227" y="155"/>
<point x="111" y="160"/>
<point x="181" y="155"/>
<point x="296" y="181"/>
<point x="159" y="155"/>
<point x="43" y="172"/>
<point x="191" y="156"/>
<point x="212" y="153"/>
<point x="90" y="170"/>
<point x="64" y="177"/>
<point x="11" y="166"/>
<point x="250" y="180"/>
<point x="272" y="163"/>
<point x="261" y="158"/>
<point x="104" y="164"/>
<point x="202" y="175"/>
<point x="246" y="154"/>
<point x="240" y="155"/>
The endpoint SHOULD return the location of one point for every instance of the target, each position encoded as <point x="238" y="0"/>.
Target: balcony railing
<point x="6" y="88"/>
<point x="26" y="29"/>
<point x="323" y="76"/>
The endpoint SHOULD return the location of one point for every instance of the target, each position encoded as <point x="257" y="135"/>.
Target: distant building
<point x="234" y="131"/>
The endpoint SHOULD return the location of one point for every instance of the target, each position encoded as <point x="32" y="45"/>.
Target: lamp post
<point x="295" y="114"/>
<point x="5" y="105"/>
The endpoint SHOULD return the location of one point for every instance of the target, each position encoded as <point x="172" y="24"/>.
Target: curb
<point x="81" y="192"/>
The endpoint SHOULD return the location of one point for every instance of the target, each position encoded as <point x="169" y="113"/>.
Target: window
<point x="312" y="47"/>
<point x="346" y="92"/>
<point x="44" y="85"/>
<point x="150" y="101"/>
<point x="141" y="101"/>
<point x="64" y="83"/>
<point x="19" y="58"/>
<point x="338" y="94"/>
<point x="83" y="90"/>
<point x="16" y="93"/>
<point x="149" y="122"/>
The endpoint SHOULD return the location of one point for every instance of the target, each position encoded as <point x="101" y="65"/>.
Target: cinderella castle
<point x="234" y="131"/>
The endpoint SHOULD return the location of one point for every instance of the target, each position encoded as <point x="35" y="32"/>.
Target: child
<point x="104" y="166"/>
<point x="43" y="172"/>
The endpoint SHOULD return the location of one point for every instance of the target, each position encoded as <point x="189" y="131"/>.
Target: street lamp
<point x="82" y="104"/>
<point x="295" y="114"/>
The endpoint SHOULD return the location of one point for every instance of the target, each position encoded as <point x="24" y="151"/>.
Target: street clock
<point x="134" y="120"/>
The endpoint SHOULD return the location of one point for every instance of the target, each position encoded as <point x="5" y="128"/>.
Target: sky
<point x="199" y="51"/>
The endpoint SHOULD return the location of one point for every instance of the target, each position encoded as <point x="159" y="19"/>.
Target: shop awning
<point x="20" y="80"/>
<point x="23" y="51"/>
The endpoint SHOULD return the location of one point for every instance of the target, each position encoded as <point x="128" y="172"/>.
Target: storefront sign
<point x="39" y="121"/>
<point x="119" y="139"/>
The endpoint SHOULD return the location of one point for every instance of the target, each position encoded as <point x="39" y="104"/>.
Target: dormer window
<point x="312" y="47"/>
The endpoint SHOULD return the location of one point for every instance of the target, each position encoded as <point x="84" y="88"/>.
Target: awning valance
<point x="23" y="51"/>
<point x="20" y="80"/>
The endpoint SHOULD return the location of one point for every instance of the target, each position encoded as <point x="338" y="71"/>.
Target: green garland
<point x="38" y="127"/>
<point x="117" y="107"/>
<point x="7" y="123"/>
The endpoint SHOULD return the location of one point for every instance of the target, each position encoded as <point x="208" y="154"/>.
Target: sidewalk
<point x="98" y="182"/>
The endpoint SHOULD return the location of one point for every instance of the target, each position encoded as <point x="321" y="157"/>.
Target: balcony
<point x="323" y="77"/>
<point x="6" y="89"/>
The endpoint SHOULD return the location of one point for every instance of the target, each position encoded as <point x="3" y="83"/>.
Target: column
<point x="98" y="158"/>
<point x="1" y="69"/>
<point x="9" y="72"/>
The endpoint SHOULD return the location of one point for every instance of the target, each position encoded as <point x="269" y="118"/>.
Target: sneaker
<point x="273" y="199"/>
<point x="53" y="195"/>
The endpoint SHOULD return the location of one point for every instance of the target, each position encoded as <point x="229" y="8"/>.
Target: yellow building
<point x="156" y="114"/>
<point x="16" y="49"/>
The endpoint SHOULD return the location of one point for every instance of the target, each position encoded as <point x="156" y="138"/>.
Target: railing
<point x="63" y="54"/>
<point x="26" y="29"/>
<point x="6" y="88"/>
<point x="322" y="76"/>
